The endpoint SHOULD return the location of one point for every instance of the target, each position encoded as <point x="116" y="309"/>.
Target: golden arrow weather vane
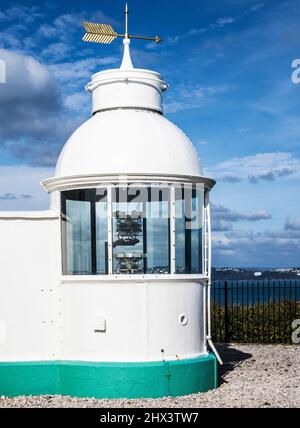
<point x="104" y="33"/>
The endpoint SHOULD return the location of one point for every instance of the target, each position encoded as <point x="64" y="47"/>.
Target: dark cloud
<point x="32" y="123"/>
<point x="222" y="214"/>
<point x="271" y="176"/>
<point x="244" y="248"/>
<point x="14" y="197"/>
<point x="262" y="166"/>
<point x="219" y="225"/>
<point x="8" y="197"/>
<point x="231" y="179"/>
<point x="292" y="224"/>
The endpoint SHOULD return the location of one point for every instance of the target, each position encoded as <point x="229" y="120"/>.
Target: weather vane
<point x="104" y="33"/>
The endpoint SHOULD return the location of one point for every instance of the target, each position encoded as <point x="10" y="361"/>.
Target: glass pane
<point x="141" y="231"/>
<point x="189" y="212"/>
<point x="196" y="230"/>
<point x="84" y="232"/>
<point x="128" y="231"/>
<point x="158" y="239"/>
<point x="180" y="231"/>
<point x="102" y="231"/>
<point x="78" y="237"/>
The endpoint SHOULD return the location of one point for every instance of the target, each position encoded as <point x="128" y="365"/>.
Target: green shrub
<point x="261" y="323"/>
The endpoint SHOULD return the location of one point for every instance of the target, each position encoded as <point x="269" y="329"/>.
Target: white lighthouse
<point x="107" y="294"/>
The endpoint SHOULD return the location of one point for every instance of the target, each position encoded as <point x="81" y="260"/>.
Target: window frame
<point x="110" y="275"/>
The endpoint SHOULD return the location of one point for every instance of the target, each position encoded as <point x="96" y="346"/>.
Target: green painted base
<point x="109" y="380"/>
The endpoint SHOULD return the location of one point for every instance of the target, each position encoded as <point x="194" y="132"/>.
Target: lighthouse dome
<point x="128" y="141"/>
<point x="128" y="133"/>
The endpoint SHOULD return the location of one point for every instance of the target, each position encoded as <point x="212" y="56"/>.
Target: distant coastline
<point x="236" y="274"/>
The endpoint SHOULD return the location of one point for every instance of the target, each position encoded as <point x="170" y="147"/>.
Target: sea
<point x="254" y="286"/>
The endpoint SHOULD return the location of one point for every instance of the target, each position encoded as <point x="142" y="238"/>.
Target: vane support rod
<point x="126" y="21"/>
<point x="104" y="33"/>
<point x="129" y="36"/>
<point x="152" y="39"/>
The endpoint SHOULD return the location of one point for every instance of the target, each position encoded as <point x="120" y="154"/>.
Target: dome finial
<point x="126" y="21"/>
<point x="126" y="62"/>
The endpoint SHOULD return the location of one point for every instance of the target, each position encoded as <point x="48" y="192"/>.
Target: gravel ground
<point x="252" y="376"/>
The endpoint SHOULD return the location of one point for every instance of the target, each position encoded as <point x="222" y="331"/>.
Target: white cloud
<point x="78" y="101"/>
<point x="259" y="167"/>
<point x="190" y="96"/>
<point x="56" y="51"/>
<point x="202" y="143"/>
<point x="279" y="100"/>
<point x="7" y="38"/>
<point x="22" y="13"/>
<point x="257" y="7"/>
<point x="196" y="31"/>
<point x="221" y="22"/>
<point x="76" y="71"/>
<point x="173" y="40"/>
<point x="67" y="25"/>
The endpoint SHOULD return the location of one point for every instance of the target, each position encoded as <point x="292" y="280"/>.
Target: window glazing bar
<point x="173" y="229"/>
<point x="92" y="199"/>
<point x="110" y="230"/>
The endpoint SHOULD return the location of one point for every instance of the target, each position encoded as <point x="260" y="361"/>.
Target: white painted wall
<point x="141" y="319"/>
<point x="43" y="317"/>
<point x="29" y="286"/>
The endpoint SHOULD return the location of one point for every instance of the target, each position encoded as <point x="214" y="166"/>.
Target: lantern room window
<point x="141" y="241"/>
<point x="77" y="233"/>
<point x="189" y="225"/>
<point x="85" y="232"/>
<point x="132" y="230"/>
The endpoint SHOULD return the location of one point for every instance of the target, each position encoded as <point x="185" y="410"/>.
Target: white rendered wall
<point x="29" y="287"/>
<point x="44" y="318"/>
<point x="139" y="320"/>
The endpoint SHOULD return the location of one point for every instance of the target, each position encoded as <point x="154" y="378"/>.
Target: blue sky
<point x="229" y="66"/>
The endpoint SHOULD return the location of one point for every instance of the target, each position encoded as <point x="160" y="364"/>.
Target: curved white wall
<point x="140" y="320"/>
<point x="133" y="88"/>
<point x="42" y="318"/>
